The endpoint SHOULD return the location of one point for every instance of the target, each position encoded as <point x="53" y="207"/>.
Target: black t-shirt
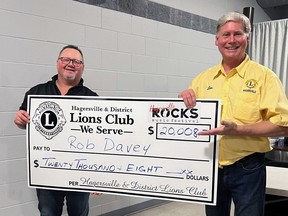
<point x="50" y="88"/>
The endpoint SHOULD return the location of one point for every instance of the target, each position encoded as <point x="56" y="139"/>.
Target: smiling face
<point x="232" y="42"/>
<point x="69" y="73"/>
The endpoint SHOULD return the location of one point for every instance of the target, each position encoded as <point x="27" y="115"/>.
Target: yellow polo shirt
<point x="250" y="93"/>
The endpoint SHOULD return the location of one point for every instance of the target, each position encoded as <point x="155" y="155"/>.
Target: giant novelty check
<point x="145" y="147"/>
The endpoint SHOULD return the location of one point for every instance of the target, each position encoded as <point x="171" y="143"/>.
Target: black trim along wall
<point x="158" y="12"/>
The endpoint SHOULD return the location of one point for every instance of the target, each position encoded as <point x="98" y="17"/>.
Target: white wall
<point x="125" y="55"/>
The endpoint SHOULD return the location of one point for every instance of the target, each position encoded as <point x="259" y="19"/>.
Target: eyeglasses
<point x="66" y="60"/>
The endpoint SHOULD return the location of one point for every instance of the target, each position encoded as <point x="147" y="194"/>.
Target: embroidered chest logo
<point x="209" y="87"/>
<point x="251" y="85"/>
<point x="49" y="119"/>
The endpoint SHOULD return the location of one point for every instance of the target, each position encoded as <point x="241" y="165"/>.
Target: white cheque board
<point x="129" y="146"/>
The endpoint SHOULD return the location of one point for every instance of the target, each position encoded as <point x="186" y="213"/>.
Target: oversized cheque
<point x="129" y="146"/>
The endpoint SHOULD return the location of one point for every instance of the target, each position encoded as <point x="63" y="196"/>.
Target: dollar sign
<point x="151" y="131"/>
<point x="36" y="163"/>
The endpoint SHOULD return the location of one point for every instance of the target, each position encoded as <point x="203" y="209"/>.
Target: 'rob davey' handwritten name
<point x="109" y="146"/>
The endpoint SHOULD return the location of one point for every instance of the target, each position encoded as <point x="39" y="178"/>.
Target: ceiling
<point x="275" y="9"/>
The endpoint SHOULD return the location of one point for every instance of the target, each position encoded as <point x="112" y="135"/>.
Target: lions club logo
<point x="252" y="83"/>
<point x="49" y="119"/>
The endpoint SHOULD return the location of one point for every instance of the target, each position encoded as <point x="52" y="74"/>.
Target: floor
<point x="275" y="206"/>
<point x="174" y="209"/>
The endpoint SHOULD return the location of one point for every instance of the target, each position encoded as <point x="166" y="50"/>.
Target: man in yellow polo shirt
<point x="254" y="107"/>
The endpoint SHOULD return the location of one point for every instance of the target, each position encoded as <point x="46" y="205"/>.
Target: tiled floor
<point x="275" y="206"/>
<point x="174" y="209"/>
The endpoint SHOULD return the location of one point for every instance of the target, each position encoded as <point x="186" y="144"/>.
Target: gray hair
<point x="70" y="46"/>
<point x="237" y="17"/>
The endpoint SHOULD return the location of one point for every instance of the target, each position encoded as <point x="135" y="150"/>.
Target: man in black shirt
<point x="68" y="81"/>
